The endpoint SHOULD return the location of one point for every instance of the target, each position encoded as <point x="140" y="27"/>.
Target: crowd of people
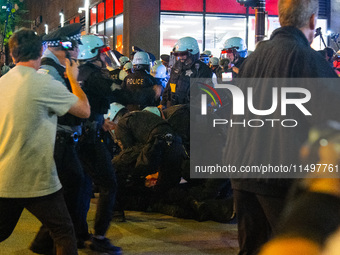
<point x="89" y="121"/>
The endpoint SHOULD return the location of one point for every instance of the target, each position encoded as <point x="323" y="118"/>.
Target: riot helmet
<point x="126" y="70"/>
<point x="94" y="49"/>
<point x="157" y="62"/>
<point x="204" y="58"/>
<point x="208" y="53"/>
<point x="187" y="51"/>
<point x="113" y="112"/>
<point x="123" y="60"/>
<point x="213" y="61"/>
<point x="153" y="109"/>
<point x="233" y="48"/>
<point x="158" y="71"/>
<point x="127" y="66"/>
<point x="141" y="61"/>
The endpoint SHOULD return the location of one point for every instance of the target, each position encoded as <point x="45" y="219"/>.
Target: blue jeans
<point x="50" y="210"/>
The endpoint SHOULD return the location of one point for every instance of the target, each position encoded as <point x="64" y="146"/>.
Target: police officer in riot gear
<point x="235" y="50"/>
<point x="116" y="74"/>
<point x="159" y="72"/>
<point x="97" y="84"/>
<point x="141" y="84"/>
<point x="204" y="58"/>
<point x="127" y="69"/>
<point x="62" y="44"/>
<point x="187" y="66"/>
<point x="148" y="145"/>
<point x="214" y="64"/>
<point x="208" y="53"/>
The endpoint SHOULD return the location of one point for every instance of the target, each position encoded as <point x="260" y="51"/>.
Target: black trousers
<point x="50" y="211"/>
<point x="71" y="175"/>
<point x="257" y="218"/>
<point x="96" y="161"/>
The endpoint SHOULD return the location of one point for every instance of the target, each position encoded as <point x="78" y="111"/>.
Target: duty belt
<point x="68" y="137"/>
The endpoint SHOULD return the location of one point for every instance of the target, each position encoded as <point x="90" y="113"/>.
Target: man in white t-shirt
<point x="30" y="103"/>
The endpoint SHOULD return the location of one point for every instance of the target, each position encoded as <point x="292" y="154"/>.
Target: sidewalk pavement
<point x="142" y="233"/>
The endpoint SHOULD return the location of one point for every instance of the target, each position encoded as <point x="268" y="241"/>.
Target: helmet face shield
<point x="231" y="50"/>
<point x="228" y="54"/>
<point x="109" y="59"/>
<point x="181" y="53"/>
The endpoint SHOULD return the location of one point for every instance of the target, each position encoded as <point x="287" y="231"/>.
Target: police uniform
<point x="165" y="61"/>
<point x="220" y="71"/>
<point x="95" y="156"/>
<point x="69" y="168"/>
<point x="140" y="84"/>
<point x="150" y="145"/>
<point x="115" y="76"/>
<point x="177" y="90"/>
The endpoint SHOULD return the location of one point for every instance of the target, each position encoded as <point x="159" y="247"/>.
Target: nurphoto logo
<point x="280" y="98"/>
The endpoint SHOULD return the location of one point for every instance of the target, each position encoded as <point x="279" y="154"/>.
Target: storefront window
<point x="317" y="43"/>
<point x="100" y="29"/>
<point x="219" y="29"/>
<point x="109" y="32"/>
<point x="174" y="27"/>
<point x="93" y="15"/>
<point x="273" y="23"/>
<point x="93" y="29"/>
<point x="119" y="33"/>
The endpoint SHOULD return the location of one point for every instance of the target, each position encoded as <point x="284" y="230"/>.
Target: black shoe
<point x="81" y="240"/>
<point x="201" y="211"/>
<point x="42" y="250"/>
<point x="104" y="245"/>
<point x="118" y="216"/>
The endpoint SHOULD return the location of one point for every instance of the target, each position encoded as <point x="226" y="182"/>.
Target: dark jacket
<point x="140" y="84"/>
<point x="177" y="91"/>
<point x="286" y="54"/>
<point x="178" y="116"/>
<point x="115" y="76"/>
<point x="96" y="83"/>
<point x="137" y="128"/>
<point x="145" y="149"/>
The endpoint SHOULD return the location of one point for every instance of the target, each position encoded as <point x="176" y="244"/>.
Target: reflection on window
<point x="93" y="30"/>
<point x="119" y="33"/>
<point x="317" y="43"/>
<point x="100" y="30"/>
<point x="219" y="29"/>
<point x="174" y="27"/>
<point x="109" y="32"/>
<point x="119" y="43"/>
<point x="273" y="23"/>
